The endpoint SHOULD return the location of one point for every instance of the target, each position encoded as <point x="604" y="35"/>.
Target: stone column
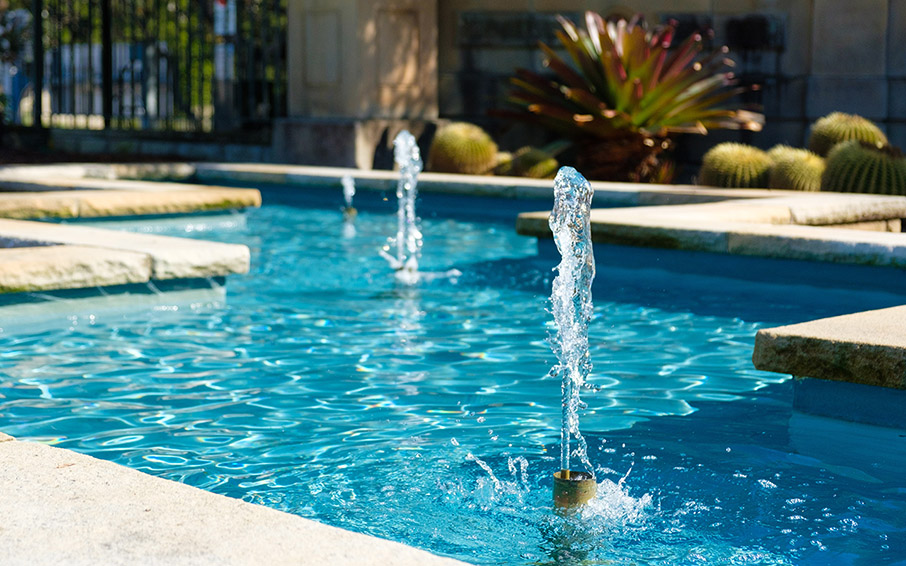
<point x="358" y="72"/>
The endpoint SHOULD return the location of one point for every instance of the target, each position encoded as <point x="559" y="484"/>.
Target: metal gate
<point x="156" y="65"/>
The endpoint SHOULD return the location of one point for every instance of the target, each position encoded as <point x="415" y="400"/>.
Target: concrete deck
<point x="60" y="507"/>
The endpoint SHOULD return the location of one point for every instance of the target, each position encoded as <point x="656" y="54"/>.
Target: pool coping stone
<point x="61" y="507"/>
<point x="73" y="256"/>
<point x="866" y="347"/>
<point x="170" y="258"/>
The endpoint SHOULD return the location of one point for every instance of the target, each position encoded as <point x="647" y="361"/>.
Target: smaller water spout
<point x="572" y="308"/>
<point x="349" y="211"/>
<point x="408" y="240"/>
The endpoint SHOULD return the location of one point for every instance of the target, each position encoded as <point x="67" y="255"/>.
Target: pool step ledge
<point x="68" y="256"/>
<point x="60" y="507"/>
<point x="866" y="347"/>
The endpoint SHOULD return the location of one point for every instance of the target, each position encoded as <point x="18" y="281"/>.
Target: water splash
<point x="571" y="303"/>
<point x="408" y="240"/>
<point x="490" y="490"/>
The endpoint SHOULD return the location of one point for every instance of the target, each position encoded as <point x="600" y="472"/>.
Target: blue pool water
<point x="425" y="415"/>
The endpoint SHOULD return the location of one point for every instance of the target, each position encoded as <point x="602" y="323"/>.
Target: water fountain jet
<point x="349" y="211"/>
<point x="408" y="240"/>
<point x="572" y="308"/>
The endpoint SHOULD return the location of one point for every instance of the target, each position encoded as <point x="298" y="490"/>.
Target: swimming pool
<point x="323" y="388"/>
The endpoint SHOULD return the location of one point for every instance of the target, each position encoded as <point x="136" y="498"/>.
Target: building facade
<point x="369" y="67"/>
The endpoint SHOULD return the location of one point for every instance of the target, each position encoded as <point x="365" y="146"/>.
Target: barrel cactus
<point x="795" y="169"/>
<point x="460" y="147"/>
<point x="862" y="167"/>
<point x="736" y="165"/>
<point x="532" y="162"/>
<point x="839" y="127"/>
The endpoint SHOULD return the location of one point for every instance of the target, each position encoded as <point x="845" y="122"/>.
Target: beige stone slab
<point x="56" y="182"/>
<point x="829" y="208"/>
<point x="866" y="347"/>
<point x="69" y="267"/>
<point x="819" y="244"/>
<point x="94" y="204"/>
<point x="765" y="211"/>
<point x="60" y="507"/>
<point x="39" y="205"/>
<point x="892" y="225"/>
<point x="134" y="198"/>
<point x="172" y="258"/>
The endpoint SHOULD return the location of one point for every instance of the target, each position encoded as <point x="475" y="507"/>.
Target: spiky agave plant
<point x="625" y="93"/>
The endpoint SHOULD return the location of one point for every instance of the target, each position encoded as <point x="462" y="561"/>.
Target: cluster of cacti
<point x="460" y="147"/>
<point x="735" y="165"/>
<point x="795" y="169"/>
<point x="532" y="162"/>
<point x="863" y="167"/>
<point x="859" y="159"/>
<point x="839" y="127"/>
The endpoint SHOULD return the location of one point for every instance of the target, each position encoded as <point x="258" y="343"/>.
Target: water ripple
<point x="326" y="390"/>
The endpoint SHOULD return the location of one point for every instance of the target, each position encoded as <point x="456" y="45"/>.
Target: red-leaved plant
<point x="625" y="93"/>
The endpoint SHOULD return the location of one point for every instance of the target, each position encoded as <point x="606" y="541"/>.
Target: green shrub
<point x="735" y="165"/>
<point x="460" y="147"/>
<point x="839" y="127"/>
<point x="862" y="167"/>
<point x="795" y="169"/>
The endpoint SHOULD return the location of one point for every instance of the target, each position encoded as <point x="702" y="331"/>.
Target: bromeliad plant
<point x="624" y="94"/>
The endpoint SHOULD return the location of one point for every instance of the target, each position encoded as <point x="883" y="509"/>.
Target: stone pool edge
<point x="63" y="507"/>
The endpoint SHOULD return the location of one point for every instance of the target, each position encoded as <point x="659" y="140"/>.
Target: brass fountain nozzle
<point x="572" y="488"/>
<point x="349" y="213"/>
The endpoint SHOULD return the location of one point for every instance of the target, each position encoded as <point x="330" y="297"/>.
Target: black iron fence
<point x="153" y="65"/>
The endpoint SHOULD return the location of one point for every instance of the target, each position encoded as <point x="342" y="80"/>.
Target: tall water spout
<point x="572" y="308"/>
<point x="408" y="239"/>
